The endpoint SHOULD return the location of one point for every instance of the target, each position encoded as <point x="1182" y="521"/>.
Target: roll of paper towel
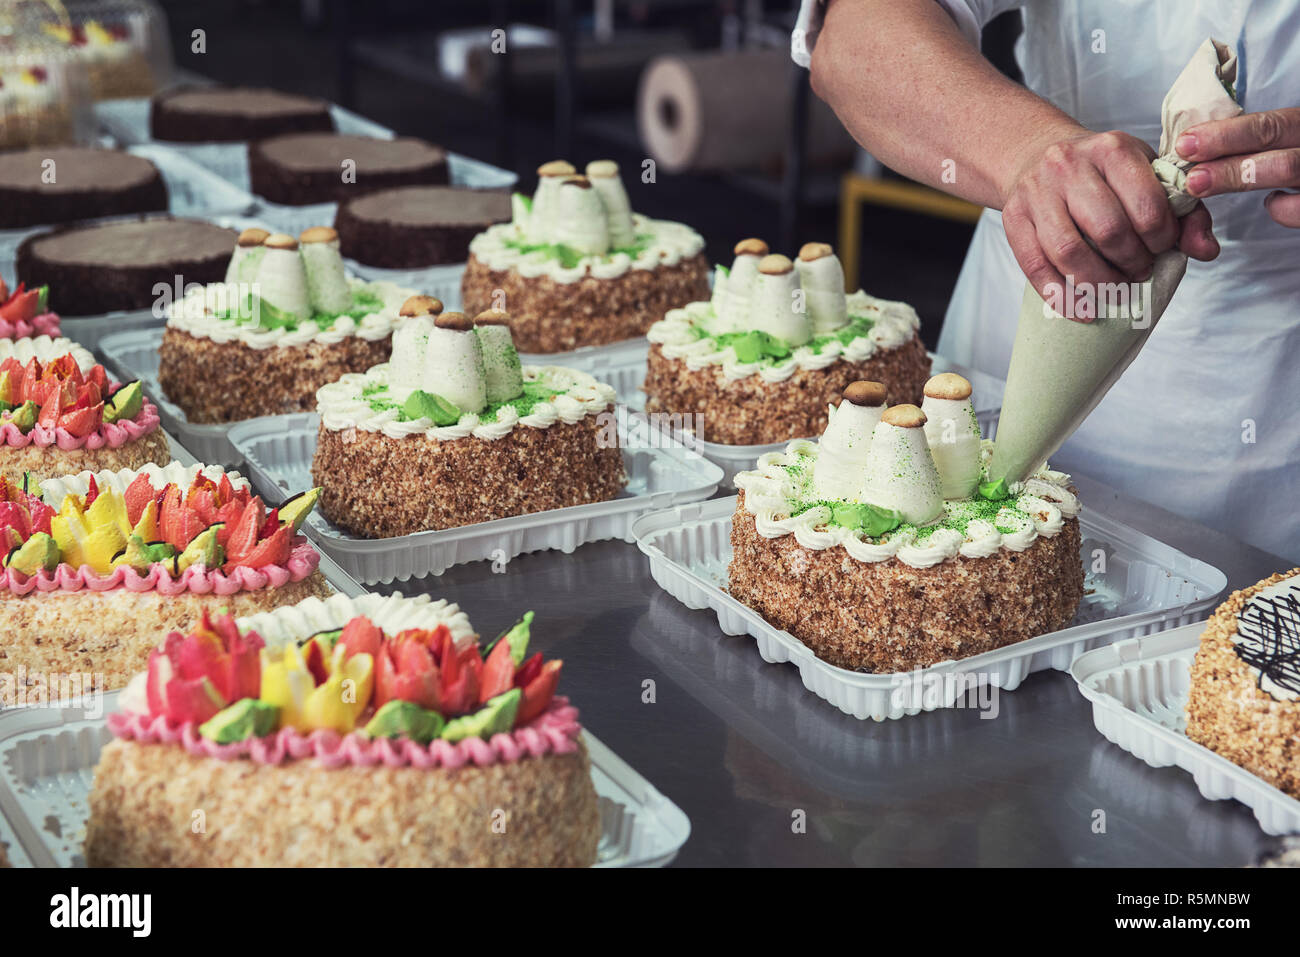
<point x="728" y="111"/>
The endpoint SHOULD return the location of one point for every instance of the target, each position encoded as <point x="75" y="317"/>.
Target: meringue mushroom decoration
<point x="446" y="364"/>
<point x="293" y="279"/>
<point x="590" y="214"/>
<point x="901" y="459"/>
<point x="793" y="301"/>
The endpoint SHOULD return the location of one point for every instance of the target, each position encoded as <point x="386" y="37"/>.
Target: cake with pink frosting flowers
<point x="95" y="566"/>
<point x="375" y="731"/>
<point x="60" y="413"/>
<point x="26" y="312"/>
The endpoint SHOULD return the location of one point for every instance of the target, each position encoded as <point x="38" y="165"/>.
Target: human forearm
<point x="914" y="92"/>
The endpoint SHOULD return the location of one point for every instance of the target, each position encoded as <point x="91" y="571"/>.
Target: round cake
<point x="883" y="548"/>
<point x="68" y="183"/>
<point x="454" y="431"/>
<point x="1244" y="694"/>
<point x="412" y="227"/>
<point x="116" y="266"/>
<point x="230" y="114"/>
<point x="776" y="345"/>
<point x="576" y="267"/>
<point x="102" y="562"/>
<point x="286" y="320"/>
<point x="301" y="168"/>
<point x="60" y="414"/>
<point x="351" y="732"/>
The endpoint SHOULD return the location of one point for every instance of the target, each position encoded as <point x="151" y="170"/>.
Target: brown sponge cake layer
<point x="886" y="617"/>
<point x="229" y="381"/>
<point x="412" y="227"/>
<point x="1229" y="713"/>
<point x="751" y="411"/>
<point x="111" y="633"/>
<point x="301" y="168"/>
<point x="535" y="812"/>
<point x="549" y="316"/>
<point x="201" y="114"/>
<point x="380" y="487"/>
<point x="64" y="184"/>
<point x="107" y="267"/>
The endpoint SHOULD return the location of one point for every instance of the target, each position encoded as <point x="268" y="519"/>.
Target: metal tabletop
<point x="771" y="775"/>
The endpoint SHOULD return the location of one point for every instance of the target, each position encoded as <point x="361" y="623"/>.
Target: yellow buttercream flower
<point x="287" y="684"/>
<point x="338" y="702"/>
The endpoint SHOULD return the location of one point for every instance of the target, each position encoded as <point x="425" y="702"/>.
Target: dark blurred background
<point x="569" y="89"/>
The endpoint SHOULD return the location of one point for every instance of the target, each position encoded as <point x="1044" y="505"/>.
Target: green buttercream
<point x="994" y="491"/>
<point x="570" y="258"/>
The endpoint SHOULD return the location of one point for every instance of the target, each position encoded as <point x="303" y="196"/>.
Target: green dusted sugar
<point x="421" y="404"/>
<point x="534" y="394"/>
<point x="766" y="349"/>
<point x="364" y="302"/>
<point x="571" y="258"/>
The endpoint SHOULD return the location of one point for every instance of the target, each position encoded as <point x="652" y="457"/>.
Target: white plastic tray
<point x="1138" y="689"/>
<point x="278" y="452"/>
<point x="624" y="364"/>
<point x="192" y="191"/>
<point x="133" y="354"/>
<point x="1147" y="586"/>
<point x="441" y="282"/>
<point x="48" y="758"/>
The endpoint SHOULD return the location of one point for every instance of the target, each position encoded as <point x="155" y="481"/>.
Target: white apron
<point x="1206" y="422"/>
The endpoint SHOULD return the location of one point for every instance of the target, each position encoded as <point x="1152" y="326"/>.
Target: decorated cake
<point x="576" y="267"/>
<point x="68" y="183"/>
<point x="115" y="61"/>
<point x="36" y="106"/>
<point x="413" y="227"/>
<point x="777" y="343"/>
<point x="300" y="168"/>
<point x="883" y="547"/>
<point x="454" y="431"/>
<point x="286" y="320"/>
<point x="368" y="732"/>
<point x="60" y="414"/>
<point x="1244" y="696"/>
<point x="106" y="267"/>
<point x="229" y="114"/>
<point x="97" y="565"/>
<point x="25" y="313"/>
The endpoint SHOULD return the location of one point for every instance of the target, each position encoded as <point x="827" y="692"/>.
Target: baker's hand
<point x="1251" y="151"/>
<point x="1089" y="207"/>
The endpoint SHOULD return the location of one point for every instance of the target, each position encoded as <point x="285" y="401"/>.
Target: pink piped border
<point x="46" y="324"/>
<point x="554" y="731"/>
<point x="196" y="580"/>
<point x="114" y="435"/>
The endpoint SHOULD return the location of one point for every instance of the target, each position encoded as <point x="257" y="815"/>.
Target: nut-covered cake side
<point x="447" y="752"/>
<point x="99" y="563"/>
<point x="454" y="431"/>
<point x="286" y="321"/>
<point x="576" y="267"/>
<point x="778" y="342"/>
<point x="883" y="548"/>
<point x="1244" y="696"/>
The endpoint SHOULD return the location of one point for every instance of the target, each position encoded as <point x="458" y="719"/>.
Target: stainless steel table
<point x="749" y="754"/>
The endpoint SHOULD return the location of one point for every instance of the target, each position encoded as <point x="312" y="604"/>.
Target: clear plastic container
<point x="123" y="44"/>
<point x="44" y="85"/>
<point x="1147" y="586"/>
<point x="1138" y="689"/>
<point x="47" y="765"/>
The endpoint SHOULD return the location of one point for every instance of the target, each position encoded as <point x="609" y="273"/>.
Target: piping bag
<point x="1060" y="368"/>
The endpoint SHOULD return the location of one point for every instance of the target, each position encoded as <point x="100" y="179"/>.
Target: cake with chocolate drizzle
<point x="1244" y="697"/>
<point x="455" y="431"/>
<point x="884" y="548"/>
<point x="577" y="267"/>
<point x="776" y="344"/>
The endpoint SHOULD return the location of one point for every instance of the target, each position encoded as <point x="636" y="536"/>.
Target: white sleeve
<point x="969" y="15"/>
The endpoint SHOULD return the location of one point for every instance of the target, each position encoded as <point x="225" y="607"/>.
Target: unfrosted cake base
<point x="54" y="462"/>
<point x="111" y="633"/>
<point x="1229" y="714"/>
<point x="225" y="382"/>
<point x="147" y="798"/>
<point x="751" y="411"/>
<point x="380" y="487"/>
<point x="887" y="617"/>
<point x="548" y="316"/>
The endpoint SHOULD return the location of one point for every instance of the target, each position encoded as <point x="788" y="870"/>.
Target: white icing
<point x="1276" y="637"/>
<point x="194" y="314"/>
<point x="823" y="291"/>
<point x="581" y="223"/>
<point x="342" y="405"/>
<point x="502" y="372"/>
<point x="55" y="490"/>
<point x="45" y="348"/>
<point x="327" y="281"/>
<point x="446" y="362"/>
<point x="617" y="210"/>
<point x="773" y="308"/>
<point x="243" y="264"/>
<point x="282" y="281"/>
<point x="953" y="434"/>
<point x="901" y="475"/>
<point x="732" y="309"/>
<point x="1042" y="503"/>
<point x="845" y="448"/>
<point x="896" y="323"/>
